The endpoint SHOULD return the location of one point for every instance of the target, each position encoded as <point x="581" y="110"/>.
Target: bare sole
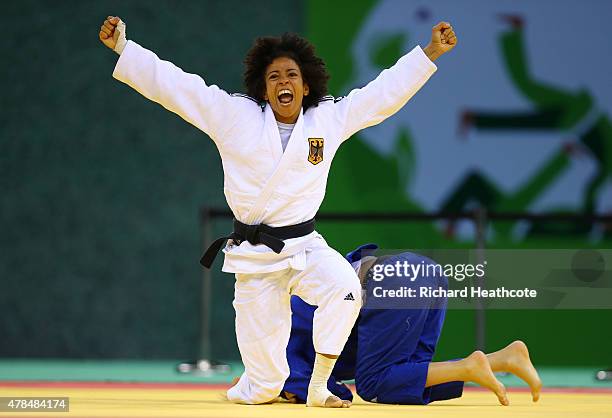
<point x="480" y="372"/>
<point x="519" y="363"/>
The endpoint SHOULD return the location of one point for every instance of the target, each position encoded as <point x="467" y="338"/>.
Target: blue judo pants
<point x="388" y="352"/>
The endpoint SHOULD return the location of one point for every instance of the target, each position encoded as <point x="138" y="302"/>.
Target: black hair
<point x="290" y="45"/>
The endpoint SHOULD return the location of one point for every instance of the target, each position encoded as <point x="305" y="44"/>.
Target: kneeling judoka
<point x="389" y="352"/>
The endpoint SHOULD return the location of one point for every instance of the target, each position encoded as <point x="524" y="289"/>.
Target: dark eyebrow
<point x="278" y="71"/>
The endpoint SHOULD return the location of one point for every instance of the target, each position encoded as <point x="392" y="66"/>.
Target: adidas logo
<point x="349" y="297"/>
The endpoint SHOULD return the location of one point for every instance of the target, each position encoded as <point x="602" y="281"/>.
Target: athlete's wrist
<point x="432" y="52"/>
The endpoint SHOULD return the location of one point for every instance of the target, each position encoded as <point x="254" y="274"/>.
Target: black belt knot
<point x="251" y="233"/>
<point x="271" y="237"/>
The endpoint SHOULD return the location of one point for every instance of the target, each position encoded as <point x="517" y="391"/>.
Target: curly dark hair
<point x="290" y="45"/>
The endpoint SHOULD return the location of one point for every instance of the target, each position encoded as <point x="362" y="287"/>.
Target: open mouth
<point x="285" y="96"/>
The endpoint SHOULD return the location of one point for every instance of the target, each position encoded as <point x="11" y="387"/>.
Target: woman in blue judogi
<point x="390" y="350"/>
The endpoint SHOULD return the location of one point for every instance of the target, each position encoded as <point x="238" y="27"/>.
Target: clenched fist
<point x="112" y="33"/>
<point x="443" y="39"/>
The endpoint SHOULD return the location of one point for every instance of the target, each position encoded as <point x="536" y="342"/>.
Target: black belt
<point x="269" y="236"/>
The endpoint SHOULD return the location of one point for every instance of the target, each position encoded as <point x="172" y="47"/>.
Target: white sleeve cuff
<point x="427" y="63"/>
<point x="121" y="41"/>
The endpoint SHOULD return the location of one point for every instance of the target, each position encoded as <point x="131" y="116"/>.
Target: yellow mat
<point x="194" y="402"/>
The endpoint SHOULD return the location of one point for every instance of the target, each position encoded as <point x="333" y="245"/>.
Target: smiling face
<point x="285" y="89"/>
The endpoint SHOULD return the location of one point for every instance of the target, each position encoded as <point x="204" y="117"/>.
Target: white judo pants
<point x="263" y="319"/>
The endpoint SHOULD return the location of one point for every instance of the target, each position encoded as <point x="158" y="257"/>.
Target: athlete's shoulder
<point x="247" y="102"/>
<point x="245" y="96"/>
<point x="330" y="99"/>
<point x="326" y="103"/>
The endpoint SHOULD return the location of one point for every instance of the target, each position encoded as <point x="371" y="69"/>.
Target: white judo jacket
<point x="263" y="184"/>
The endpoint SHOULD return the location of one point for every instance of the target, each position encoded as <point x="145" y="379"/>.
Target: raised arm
<point x="393" y="87"/>
<point x="209" y="108"/>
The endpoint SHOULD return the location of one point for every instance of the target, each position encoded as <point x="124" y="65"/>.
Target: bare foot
<point x="517" y="361"/>
<point x="335" y="402"/>
<point x="479" y="371"/>
<point x="291" y="397"/>
<point x="323" y="398"/>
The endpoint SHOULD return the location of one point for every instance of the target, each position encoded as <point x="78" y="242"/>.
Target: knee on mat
<point x="371" y="392"/>
<point x="367" y="396"/>
<point x="263" y="395"/>
<point x="366" y="388"/>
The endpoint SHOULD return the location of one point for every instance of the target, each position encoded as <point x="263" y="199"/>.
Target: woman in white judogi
<point x="276" y="148"/>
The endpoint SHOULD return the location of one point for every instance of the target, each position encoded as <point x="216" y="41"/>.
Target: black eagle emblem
<point x="315" y="152"/>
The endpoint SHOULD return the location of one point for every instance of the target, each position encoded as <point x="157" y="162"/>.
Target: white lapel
<point x="257" y="210"/>
<point x="272" y="134"/>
